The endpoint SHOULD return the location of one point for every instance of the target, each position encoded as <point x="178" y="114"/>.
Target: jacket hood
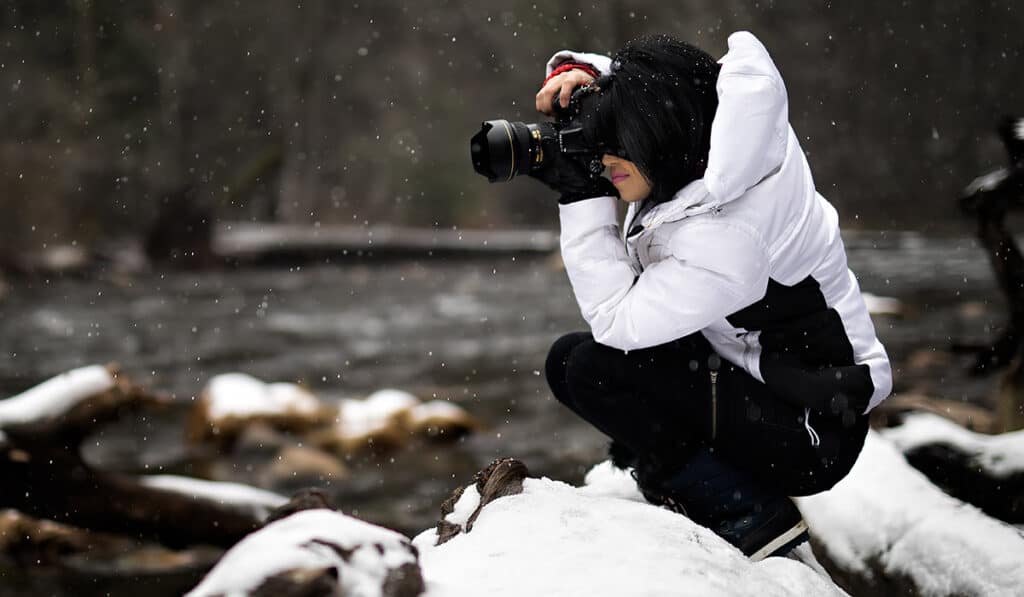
<point x="748" y="134"/>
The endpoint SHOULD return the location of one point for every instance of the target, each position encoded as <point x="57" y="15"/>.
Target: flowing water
<point x="474" y="332"/>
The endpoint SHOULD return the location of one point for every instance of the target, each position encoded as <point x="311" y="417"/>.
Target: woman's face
<point x="631" y="184"/>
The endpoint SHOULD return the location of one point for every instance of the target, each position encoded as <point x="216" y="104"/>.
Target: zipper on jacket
<point x="714" y="363"/>
<point x="714" y="404"/>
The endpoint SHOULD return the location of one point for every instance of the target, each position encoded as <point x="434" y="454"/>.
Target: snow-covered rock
<point x="890" y="530"/>
<point x="232" y="401"/>
<point x="321" y="548"/>
<point x="389" y="418"/>
<point x="601" y="539"/>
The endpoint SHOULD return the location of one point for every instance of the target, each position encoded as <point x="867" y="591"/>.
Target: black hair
<point x="656" y="108"/>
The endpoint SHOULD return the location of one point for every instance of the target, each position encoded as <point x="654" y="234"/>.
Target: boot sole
<point x="783" y="543"/>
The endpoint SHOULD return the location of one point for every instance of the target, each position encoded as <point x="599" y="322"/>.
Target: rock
<point x="440" y="420"/>
<point x="301" y="466"/>
<point x="556" y="540"/>
<point x="886" y="529"/>
<point x="232" y="402"/>
<point x="25" y="538"/>
<point x="389" y="419"/>
<point x="317" y="552"/>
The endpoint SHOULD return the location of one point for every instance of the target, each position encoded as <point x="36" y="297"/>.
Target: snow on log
<point x="553" y="539"/>
<point x="44" y="475"/>
<point x="984" y="470"/>
<point x="232" y="401"/>
<point x="886" y="528"/>
<point x="56" y="396"/>
<point x="882" y="305"/>
<point x="320" y="552"/>
<point x="389" y="418"/>
<point x="257" y="502"/>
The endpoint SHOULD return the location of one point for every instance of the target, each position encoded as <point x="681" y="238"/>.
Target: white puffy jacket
<point x="750" y="255"/>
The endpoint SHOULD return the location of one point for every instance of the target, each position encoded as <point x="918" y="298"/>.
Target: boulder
<point x="317" y="552"/>
<point x="526" y="536"/>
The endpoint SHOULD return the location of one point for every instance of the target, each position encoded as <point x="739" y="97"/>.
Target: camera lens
<point x="502" y="149"/>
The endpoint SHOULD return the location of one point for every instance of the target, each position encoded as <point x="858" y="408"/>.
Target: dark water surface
<point x="473" y="332"/>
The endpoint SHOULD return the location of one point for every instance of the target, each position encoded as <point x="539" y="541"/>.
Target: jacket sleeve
<point x="715" y="268"/>
<point x="602" y="63"/>
<point x="751" y="126"/>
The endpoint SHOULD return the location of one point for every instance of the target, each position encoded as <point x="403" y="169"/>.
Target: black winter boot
<point x="730" y="502"/>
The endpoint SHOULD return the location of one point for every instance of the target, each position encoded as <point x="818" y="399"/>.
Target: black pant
<point x="657" y="402"/>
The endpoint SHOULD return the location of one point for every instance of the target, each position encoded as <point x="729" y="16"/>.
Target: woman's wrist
<point x="568" y="66"/>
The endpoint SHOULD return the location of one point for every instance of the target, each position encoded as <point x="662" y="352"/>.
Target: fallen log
<point x="44" y="474"/>
<point x="886" y="529"/>
<point x="984" y="470"/>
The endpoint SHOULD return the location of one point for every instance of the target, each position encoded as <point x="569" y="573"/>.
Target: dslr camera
<point x="502" y="149"/>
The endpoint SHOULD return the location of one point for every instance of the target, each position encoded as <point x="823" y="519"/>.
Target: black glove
<point x="571" y="176"/>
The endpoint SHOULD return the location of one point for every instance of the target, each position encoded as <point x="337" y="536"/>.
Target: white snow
<point x="433" y="411"/>
<point x="608" y="480"/>
<point x="887" y="512"/>
<point x="374" y="413"/>
<point x="56" y="395"/>
<point x="240" y="395"/>
<point x="558" y="540"/>
<point x="882" y="305"/>
<point x="464" y="506"/>
<point x="258" y="501"/>
<point x="298" y="541"/>
<point x="986" y="182"/>
<point x="999" y="455"/>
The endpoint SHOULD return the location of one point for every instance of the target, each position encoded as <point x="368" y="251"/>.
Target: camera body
<point x="501" y="150"/>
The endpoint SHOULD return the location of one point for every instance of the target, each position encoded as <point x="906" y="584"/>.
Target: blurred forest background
<point x="360" y="113"/>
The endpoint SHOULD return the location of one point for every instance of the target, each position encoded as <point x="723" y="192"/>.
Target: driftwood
<point x="503" y="477"/>
<point x="44" y="474"/>
<point x="988" y="199"/>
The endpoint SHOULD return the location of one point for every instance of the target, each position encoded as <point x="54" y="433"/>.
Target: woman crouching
<point x="730" y="357"/>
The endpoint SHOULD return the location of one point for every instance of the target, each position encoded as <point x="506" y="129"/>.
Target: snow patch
<point x="605" y="479"/>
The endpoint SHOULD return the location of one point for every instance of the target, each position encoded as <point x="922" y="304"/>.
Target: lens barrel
<point x="503" y="149"/>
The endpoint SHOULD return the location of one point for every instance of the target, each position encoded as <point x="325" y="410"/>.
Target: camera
<point x="501" y="150"/>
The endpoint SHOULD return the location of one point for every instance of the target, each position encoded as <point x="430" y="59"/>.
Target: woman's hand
<point x="561" y="85"/>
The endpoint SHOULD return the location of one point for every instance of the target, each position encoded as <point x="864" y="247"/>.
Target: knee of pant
<point x="586" y="368"/>
<point x="558" y="356"/>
